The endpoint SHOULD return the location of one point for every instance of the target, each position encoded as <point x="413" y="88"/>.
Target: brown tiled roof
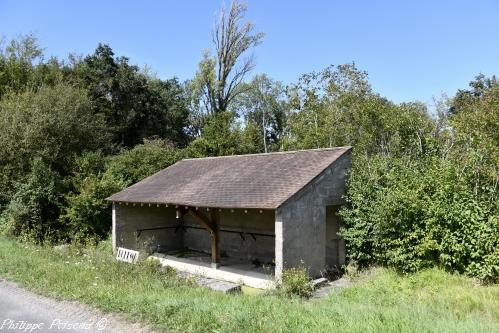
<point x="263" y="181"/>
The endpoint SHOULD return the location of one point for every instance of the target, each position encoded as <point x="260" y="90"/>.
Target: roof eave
<point x="183" y="204"/>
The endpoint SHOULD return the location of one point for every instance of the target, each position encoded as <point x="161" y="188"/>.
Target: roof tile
<point x="263" y="181"/>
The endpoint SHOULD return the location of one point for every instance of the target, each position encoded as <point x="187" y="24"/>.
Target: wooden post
<point x="212" y="228"/>
<point x="215" y="238"/>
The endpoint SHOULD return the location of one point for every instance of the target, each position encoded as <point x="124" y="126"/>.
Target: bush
<point x="51" y="124"/>
<point x="32" y="212"/>
<point x="87" y="213"/>
<point x="96" y="178"/>
<point x="295" y="282"/>
<point x="222" y="135"/>
<point x="133" y="165"/>
<point x="415" y="214"/>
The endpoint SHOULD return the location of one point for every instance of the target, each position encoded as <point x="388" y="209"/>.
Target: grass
<point x="380" y="301"/>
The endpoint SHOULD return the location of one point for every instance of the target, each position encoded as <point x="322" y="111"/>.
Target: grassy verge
<point x="382" y="301"/>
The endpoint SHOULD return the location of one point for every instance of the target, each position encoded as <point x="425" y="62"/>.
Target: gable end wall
<point x="301" y="221"/>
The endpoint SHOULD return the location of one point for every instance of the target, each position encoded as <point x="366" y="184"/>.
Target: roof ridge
<point x="269" y="154"/>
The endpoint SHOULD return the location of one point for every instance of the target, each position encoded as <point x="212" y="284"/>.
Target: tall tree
<point x="219" y="78"/>
<point x="264" y="107"/>
<point x="17" y="61"/>
<point x="337" y="107"/>
<point x="478" y="88"/>
<point x="134" y="105"/>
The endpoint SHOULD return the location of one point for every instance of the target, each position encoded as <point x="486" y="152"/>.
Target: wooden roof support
<point x="212" y="228"/>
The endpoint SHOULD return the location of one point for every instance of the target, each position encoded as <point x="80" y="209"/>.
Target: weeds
<point x="382" y="300"/>
<point x="295" y="282"/>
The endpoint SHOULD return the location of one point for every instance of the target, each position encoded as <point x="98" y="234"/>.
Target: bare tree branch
<point x="232" y="38"/>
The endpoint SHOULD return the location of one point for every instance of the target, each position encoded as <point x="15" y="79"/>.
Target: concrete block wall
<point x="127" y="220"/>
<point x="231" y="244"/>
<point x="301" y="221"/>
<point x="335" y="245"/>
<point x="301" y="234"/>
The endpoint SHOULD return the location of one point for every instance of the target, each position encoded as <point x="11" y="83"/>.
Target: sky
<point x="412" y="50"/>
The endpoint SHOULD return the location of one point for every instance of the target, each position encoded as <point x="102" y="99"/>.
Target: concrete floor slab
<point x="230" y="270"/>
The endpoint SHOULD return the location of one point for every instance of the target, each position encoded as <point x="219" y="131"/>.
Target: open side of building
<point x="239" y="218"/>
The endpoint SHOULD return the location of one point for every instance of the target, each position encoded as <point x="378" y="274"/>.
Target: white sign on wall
<point x="127" y="255"/>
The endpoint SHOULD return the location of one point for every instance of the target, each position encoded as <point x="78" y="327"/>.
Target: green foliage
<point x="221" y="136"/>
<point x="421" y="192"/>
<point x="70" y="114"/>
<point x="32" y="213"/>
<point x="17" y="61"/>
<point x="96" y="177"/>
<point x="263" y="105"/>
<point x="336" y="107"/>
<point x="133" y="165"/>
<point x="295" y="282"/>
<point x="51" y="124"/>
<point x="475" y="139"/>
<point x="134" y="105"/>
<point x="87" y="213"/>
<point x="414" y="214"/>
<point x="480" y="86"/>
<point x="378" y="301"/>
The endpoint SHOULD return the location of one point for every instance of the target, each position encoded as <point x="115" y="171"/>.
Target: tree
<point x="321" y="105"/>
<point x="423" y="191"/>
<point x="475" y="140"/>
<point x="222" y="135"/>
<point x="51" y="124"/>
<point x="337" y="107"/>
<point x="32" y="212"/>
<point x="17" y="62"/>
<point x="219" y="78"/>
<point x="479" y="86"/>
<point x="95" y="178"/>
<point x="134" y="105"/>
<point x="263" y="106"/>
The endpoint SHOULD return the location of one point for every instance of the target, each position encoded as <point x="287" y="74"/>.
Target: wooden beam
<point x="199" y="217"/>
<point x="212" y="228"/>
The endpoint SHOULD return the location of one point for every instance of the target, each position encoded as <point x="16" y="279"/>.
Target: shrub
<point x="87" y="213"/>
<point x="96" y="178"/>
<point x="32" y="212"/>
<point x="415" y="214"/>
<point x="295" y="282"/>
<point x="51" y="124"/>
<point x="143" y="160"/>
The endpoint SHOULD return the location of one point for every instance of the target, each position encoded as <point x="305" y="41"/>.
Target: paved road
<point x="24" y="311"/>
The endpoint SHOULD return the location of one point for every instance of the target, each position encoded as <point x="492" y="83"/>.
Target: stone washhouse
<point x="242" y="218"/>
